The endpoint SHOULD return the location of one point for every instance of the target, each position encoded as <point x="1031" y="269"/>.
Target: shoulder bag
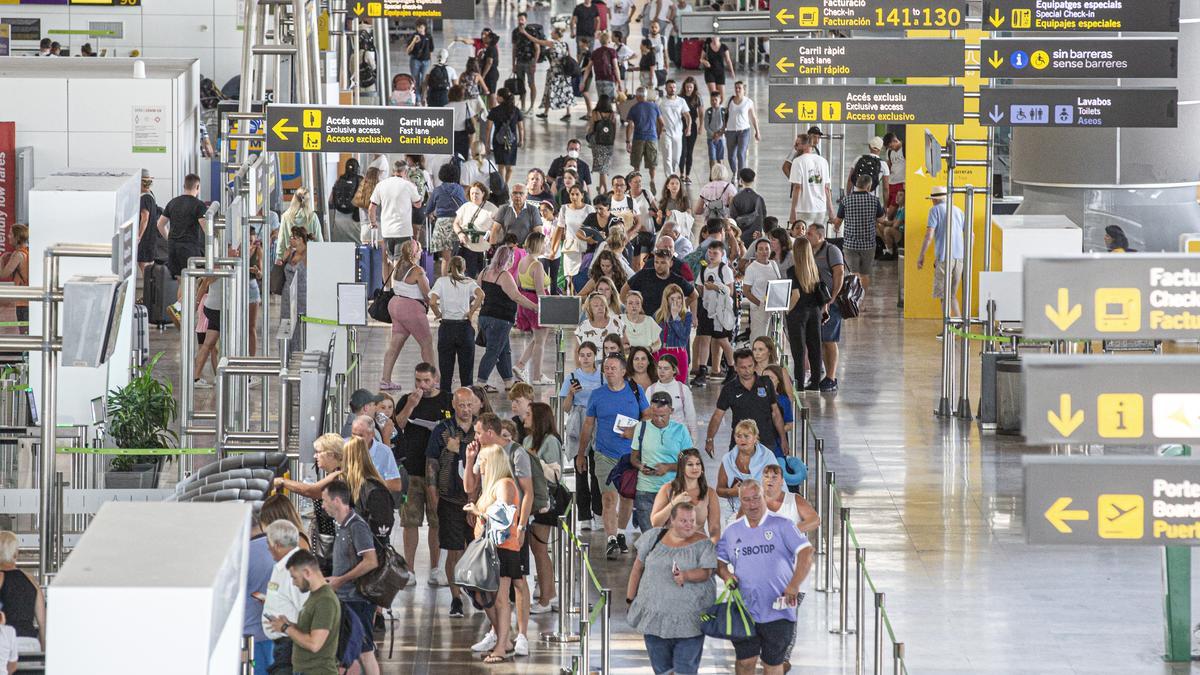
<point x="279" y="276"/>
<point x="378" y="309"/>
<point x="728" y="619"/>
<point x="381" y="584"/>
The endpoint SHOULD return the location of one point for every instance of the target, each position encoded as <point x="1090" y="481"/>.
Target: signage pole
<point x="943" y="409"/>
<point x="964" y="367"/>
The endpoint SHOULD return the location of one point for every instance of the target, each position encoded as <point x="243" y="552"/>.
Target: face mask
<point x="573" y="154"/>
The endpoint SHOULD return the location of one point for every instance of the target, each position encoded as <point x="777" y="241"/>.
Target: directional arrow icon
<point x="1058" y="514"/>
<point x="783" y="64"/>
<point x="995" y="59"/>
<point x="281" y="127"/>
<point x="782" y="111"/>
<point x="1065" y="421"/>
<point x="995" y="114"/>
<point x="996" y="19"/>
<point x="783" y="16"/>
<point x="359" y="9"/>
<point x="1064" y="314"/>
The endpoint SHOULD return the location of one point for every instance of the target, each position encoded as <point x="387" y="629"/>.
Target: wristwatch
<point x="285" y="627"/>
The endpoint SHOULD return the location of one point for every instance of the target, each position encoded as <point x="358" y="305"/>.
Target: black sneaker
<point x="700" y="379"/>
<point x="621" y="543"/>
<point x="828" y="385"/>
<point x="812" y="386"/>
<point x="613" y="550"/>
<point x="456" y="608"/>
<point x="542" y="115"/>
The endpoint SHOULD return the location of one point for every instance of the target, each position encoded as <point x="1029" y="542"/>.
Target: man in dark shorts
<point x="751" y="397"/>
<point x="417" y="414"/>
<point x="583" y="25"/>
<point x="444" y="460"/>
<point x="718" y="291"/>
<point x="183" y="220"/>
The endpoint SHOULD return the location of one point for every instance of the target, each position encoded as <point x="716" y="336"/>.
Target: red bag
<point x="689" y="58"/>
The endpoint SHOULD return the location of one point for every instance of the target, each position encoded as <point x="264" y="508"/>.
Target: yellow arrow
<point x="1066" y="420"/>
<point x="359" y="9"/>
<point x="782" y="110"/>
<point x="995" y="59"/>
<point x="1064" y="314"/>
<point x="281" y="127"/>
<point x="783" y="64"/>
<point x="1058" y="515"/>
<point x="996" y="18"/>
<point x="783" y="16"/>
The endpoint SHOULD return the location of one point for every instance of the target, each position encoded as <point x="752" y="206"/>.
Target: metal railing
<point x="834" y="540"/>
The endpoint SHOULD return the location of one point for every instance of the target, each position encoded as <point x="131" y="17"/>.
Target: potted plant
<point x="140" y="415"/>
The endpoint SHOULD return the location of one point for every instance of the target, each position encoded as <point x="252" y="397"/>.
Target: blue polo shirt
<point x="605" y="405"/>
<point x="644" y="116"/>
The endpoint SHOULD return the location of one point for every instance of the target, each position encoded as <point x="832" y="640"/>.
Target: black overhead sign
<point x="866" y="104"/>
<point x="383" y="129"/>
<point x="412" y="9"/>
<point x="866" y="57"/>
<point x="869" y="14"/>
<point x="1080" y="57"/>
<point x="23" y="29"/>
<point x="1108" y="16"/>
<point x="1078" y="107"/>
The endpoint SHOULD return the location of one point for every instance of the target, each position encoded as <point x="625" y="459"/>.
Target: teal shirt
<point x="659" y="446"/>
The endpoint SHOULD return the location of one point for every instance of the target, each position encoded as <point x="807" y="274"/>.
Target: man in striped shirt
<point x="858" y="213"/>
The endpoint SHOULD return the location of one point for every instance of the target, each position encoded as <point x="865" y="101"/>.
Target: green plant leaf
<point x="141" y="414"/>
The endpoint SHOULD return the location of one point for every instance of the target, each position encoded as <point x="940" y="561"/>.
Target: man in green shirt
<point x="315" y="634"/>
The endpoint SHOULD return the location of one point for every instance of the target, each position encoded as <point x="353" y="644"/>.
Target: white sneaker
<point x="521" y="646"/>
<point x="202" y="384"/>
<point x="437" y="577"/>
<point x="543" y="381"/>
<point x="521" y="373"/>
<point x="585" y="524"/>
<point x="539" y="608"/>
<point x="487" y="643"/>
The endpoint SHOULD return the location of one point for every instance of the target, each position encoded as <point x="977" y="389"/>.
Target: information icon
<point x="1019" y="59"/>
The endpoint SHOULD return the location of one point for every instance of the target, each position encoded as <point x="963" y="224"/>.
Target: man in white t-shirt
<point x="677" y="123"/>
<point x="392" y="205"/>
<point x="812" y="200"/>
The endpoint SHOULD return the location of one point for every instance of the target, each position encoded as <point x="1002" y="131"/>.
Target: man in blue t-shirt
<point x="614" y="407"/>
<point x="765" y="556"/>
<point x="643" y="124"/>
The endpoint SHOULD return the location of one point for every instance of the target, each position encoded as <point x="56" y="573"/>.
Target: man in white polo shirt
<point x="392" y="205"/>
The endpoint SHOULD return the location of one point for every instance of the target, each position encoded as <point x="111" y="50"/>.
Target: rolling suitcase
<point x="368" y="260"/>
<point x="140" y="351"/>
<point x="158" y="293"/>
<point x="689" y="55"/>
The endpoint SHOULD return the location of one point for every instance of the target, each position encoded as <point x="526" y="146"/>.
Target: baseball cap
<point x="362" y="397"/>
<point x="875" y="142"/>
<point x="815" y="131"/>
<point x="661" y="398"/>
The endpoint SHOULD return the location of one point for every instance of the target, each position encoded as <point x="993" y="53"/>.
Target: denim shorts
<point x="716" y="149"/>
<point x="831" y="330"/>
<point x="643" y="505"/>
<point x="772" y="642"/>
<point x="681" y="655"/>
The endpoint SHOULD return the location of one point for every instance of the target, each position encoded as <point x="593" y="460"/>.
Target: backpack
<point x="570" y="67"/>
<point x="376" y="506"/>
<point x="362" y="195"/>
<point x="605" y="131"/>
<point x="438" y="78"/>
<point x="869" y="165"/>
<point x="416" y="175"/>
<point x="343" y="193"/>
<point x="714" y="119"/>
<point x="352" y="635"/>
<point x="505" y="135"/>
<point x="717" y="208"/>
<point x="541" y="487"/>
<point x="693" y="259"/>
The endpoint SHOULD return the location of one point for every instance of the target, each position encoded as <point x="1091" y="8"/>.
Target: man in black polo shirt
<point x="417" y="414"/>
<point x="751" y="397"/>
<point x="651" y="282"/>
<point x="444" y="464"/>
<point x="583" y="25"/>
<point x="182" y="223"/>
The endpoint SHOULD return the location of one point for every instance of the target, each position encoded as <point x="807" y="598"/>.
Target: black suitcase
<point x="515" y="86"/>
<point x="141" y="335"/>
<point x="159" y="292"/>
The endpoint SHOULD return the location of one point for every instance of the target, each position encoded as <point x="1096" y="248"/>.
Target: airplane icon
<point x="1120" y="512"/>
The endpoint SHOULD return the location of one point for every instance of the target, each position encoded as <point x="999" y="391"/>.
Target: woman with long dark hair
<point x="542" y="440"/>
<point x="500" y="301"/>
<point x="601" y="143"/>
<point x="454" y="299"/>
<point x="506" y="128"/>
<point x="691" y="94"/>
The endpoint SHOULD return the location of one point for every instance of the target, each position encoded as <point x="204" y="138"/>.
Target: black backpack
<point x="570" y="67"/>
<point x="439" y="78"/>
<point x="505" y="136"/>
<point x="869" y="165"/>
<point x="605" y="131"/>
<point x="343" y="193"/>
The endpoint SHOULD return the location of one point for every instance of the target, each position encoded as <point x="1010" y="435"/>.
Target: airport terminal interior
<point x="599" y="336"/>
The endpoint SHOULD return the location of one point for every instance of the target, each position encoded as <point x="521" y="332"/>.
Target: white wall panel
<point x="49" y="150"/>
<point x="119" y="97"/>
<point x="42" y="105"/>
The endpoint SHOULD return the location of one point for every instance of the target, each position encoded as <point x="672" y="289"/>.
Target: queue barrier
<point x="840" y="531"/>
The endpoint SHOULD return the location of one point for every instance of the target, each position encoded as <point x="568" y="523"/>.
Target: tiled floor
<point x="936" y="503"/>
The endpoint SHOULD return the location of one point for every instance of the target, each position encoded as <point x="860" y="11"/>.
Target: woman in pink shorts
<point x="532" y="282"/>
<point x="408" y="309"/>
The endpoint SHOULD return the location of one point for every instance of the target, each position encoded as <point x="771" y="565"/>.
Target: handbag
<point x="850" y="296"/>
<point x="728" y="619"/>
<point x="279" y="276"/>
<point x="381" y="584"/>
<point x="469" y="127"/>
<point x="378" y="309"/>
<point x="823" y="292"/>
<point x="479" y="566"/>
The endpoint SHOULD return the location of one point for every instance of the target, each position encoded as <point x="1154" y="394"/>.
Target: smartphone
<point x="259" y="597"/>
<point x="575" y="381"/>
<point x="674" y="568"/>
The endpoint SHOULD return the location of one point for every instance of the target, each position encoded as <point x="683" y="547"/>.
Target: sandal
<point x="388" y="386"/>
<point x="489" y="388"/>
<point x="493" y="658"/>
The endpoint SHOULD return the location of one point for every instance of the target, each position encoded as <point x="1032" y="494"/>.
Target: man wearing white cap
<point x="935" y="231"/>
<point x="872" y="165"/>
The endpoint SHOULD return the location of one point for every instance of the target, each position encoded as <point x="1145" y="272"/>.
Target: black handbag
<point x="823" y="292"/>
<point x="381" y="584"/>
<point x="378" y="309"/>
<point x="279" y="277"/>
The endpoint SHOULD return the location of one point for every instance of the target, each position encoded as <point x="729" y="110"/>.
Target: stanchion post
<point x="860" y="607"/>
<point x="818" y="475"/>
<point x="844" y="575"/>
<point x="878" y="634"/>
<point x="964" y="365"/>
<point x="897" y="658"/>
<point x="605" y="630"/>
<point x="585" y="643"/>
<point x="563" y="566"/>
<point x="830" y="478"/>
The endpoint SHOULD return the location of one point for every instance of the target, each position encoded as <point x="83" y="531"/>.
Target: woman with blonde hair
<point x="600" y="320"/>
<point x="327" y="459"/>
<point x="531" y="278"/>
<point x="22" y="599"/>
<point x="805" y="314"/>
<point x="745" y="461"/>
<point x="496" y="517"/>
<point x="299" y="214"/>
<point x="408" y="309"/>
<point x="478" y="167"/>
<point x="372" y="500"/>
<point x="675" y="326"/>
<point x="279" y="507"/>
